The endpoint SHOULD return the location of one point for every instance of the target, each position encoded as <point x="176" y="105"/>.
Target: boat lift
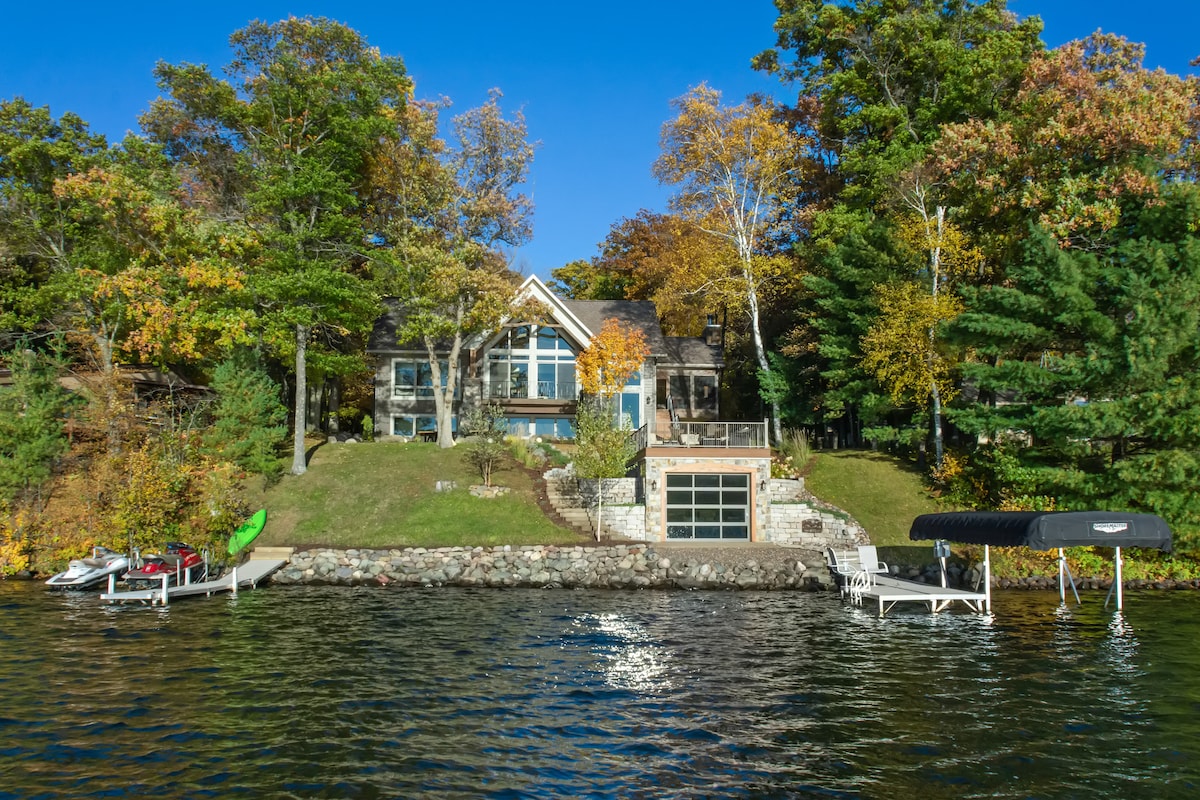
<point x="245" y="576"/>
<point x="1049" y="530"/>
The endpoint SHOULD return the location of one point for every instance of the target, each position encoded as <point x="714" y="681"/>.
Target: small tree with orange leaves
<point x="615" y="353"/>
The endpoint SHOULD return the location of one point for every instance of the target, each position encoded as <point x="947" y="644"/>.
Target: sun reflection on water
<point x="632" y="658"/>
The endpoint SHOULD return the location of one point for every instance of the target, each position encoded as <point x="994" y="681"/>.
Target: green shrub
<point x="485" y="446"/>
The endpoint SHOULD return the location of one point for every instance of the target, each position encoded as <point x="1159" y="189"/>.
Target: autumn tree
<point x="1086" y="332"/>
<point x="663" y="258"/>
<point x="585" y="279"/>
<point x="444" y="212"/>
<point x="735" y="167"/>
<point x="614" y="354"/>
<point x="903" y="348"/>
<point x="1089" y="127"/>
<point x="283" y="145"/>
<point x="877" y="81"/>
<point x="611" y="358"/>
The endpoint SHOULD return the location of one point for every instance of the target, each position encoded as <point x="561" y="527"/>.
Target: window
<point x="631" y="406"/>
<point x="532" y="361"/>
<point x="414" y="378"/>
<point x="547" y="427"/>
<point x="706" y="393"/>
<point x="681" y="394"/>
<point x="409" y="425"/>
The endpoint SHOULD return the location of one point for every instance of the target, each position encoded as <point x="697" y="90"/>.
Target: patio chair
<point x="868" y="559"/>
<point x="842" y="568"/>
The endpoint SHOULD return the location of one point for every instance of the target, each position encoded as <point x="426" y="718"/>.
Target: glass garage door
<point x="708" y="506"/>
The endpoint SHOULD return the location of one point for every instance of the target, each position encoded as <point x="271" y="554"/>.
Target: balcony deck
<point x="702" y="435"/>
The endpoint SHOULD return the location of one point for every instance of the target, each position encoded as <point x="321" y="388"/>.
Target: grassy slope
<point x="882" y="492"/>
<point x="382" y="495"/>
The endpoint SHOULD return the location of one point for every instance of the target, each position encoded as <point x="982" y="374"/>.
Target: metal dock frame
<point x="245" y="576"/>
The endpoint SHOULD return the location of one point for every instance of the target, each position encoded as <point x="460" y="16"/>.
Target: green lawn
<point x="381" y="495"/>
<point x="882" y="492"/>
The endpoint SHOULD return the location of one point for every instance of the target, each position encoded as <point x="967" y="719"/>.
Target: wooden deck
<point x="245" y="576"/>
<point x="888" y="591"/>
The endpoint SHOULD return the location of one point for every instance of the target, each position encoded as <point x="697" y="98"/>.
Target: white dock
<point x="888" y="591"/>
<point x="244" y="576"/>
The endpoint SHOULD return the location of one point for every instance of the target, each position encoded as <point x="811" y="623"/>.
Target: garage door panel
<point x="708" y="506"/>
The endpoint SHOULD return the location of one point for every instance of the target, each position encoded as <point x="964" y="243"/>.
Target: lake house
<point x="699" y="477"/>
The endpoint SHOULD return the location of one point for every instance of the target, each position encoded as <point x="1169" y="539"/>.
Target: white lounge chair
<point x="842" y="567"/>
<point x="868" y="559"/>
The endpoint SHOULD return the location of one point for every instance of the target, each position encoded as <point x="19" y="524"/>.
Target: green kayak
<point x="247" y="532"/>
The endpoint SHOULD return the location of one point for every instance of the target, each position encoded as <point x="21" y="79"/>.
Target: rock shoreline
<point x="634" y="566"/>
<point x="621" y="566"/>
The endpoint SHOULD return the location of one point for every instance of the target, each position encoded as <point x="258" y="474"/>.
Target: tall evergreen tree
<point x="1094" y="359"/>
<point x="284" y="146"/>
<point x="877" y="81"/>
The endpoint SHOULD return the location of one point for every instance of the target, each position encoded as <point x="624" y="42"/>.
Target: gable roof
<point x="582" y="319"/>
<point x="641" y="315"/>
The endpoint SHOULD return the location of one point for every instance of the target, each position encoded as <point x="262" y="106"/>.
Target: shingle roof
<point x="383" y="335"/>
<point x="691" y="351"/>
<point x="639" y="314"/>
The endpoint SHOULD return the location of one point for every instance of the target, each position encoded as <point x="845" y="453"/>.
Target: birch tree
<point x="735" y="168"/>
<point x="445" y="211"/>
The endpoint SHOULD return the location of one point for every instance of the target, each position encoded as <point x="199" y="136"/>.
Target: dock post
<point x="1120" y="587"/>
<point x="112" y="582"/>
<point x="987" y="576"/>
<point x="233" y="581"/>
<point x="166" y="578"/>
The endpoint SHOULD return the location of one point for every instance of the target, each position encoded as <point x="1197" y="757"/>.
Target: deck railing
<point x="704" y="434"/>
<point x="546" y="390"/>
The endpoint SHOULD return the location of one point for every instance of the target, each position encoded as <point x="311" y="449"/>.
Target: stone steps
<point x="569" y="505"/>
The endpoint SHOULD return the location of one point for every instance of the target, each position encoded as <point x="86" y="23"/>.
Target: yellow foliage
<point x="900" y="349"/>
<point x="14" y="544"/>
<point x="922" y="238"/>
<point x="613" y="355"/>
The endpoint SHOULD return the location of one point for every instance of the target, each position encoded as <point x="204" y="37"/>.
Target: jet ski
<point x="181" y="563"/>
<point x="86" y="573"/>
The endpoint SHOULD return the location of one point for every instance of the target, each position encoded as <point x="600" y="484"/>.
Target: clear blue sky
<point x="594" y="79"/>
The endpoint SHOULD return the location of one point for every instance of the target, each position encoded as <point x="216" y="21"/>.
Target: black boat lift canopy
<point x="1045" y="530"/>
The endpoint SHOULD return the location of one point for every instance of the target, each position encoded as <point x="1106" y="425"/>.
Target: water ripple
<point x="326" y="692"/>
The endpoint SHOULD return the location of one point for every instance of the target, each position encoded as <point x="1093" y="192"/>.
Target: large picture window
<point x="532" y="362"/>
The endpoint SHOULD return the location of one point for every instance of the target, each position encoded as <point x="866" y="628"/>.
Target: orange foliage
<point x="614" y="355"/>
<point x="1090" y="125"/>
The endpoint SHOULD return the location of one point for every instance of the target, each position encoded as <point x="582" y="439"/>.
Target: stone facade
<point x="658" y="467"/>
<point x="783" y="512"/>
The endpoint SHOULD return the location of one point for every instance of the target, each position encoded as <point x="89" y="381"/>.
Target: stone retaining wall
<point x="616" y="567"/>
<point x="634" y="566"/>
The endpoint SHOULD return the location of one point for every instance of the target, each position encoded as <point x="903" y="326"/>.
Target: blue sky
<point x="593" y="79"/>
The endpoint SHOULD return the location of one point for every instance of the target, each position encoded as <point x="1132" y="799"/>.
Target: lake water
<point x="454" y="693"/>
